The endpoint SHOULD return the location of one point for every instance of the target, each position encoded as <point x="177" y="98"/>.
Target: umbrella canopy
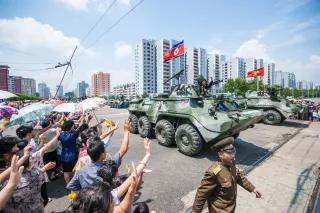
<point x="29" y="113"/>
<point x="56" y="102"/>
<point x="87" y="105"/>
<point x="6" y="95"/>
<point x="7" y="109"/>
<point x="91" y="104"/>
<point x="99" y="101"/>
<point x="66" y="107"/>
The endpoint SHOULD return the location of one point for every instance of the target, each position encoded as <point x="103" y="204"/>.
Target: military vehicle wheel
<point x="272" y="117"/>
<point x="164" y="133"/>
<point x="133" y="124"/>
<point x="188" y="140"/>
<point x="144" y="127"/>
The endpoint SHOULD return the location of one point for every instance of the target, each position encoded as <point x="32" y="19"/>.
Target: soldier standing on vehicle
<point x="219" y="184"/>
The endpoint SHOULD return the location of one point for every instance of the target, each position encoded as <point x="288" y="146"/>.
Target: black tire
<point x="144" y="127"/>
<point x="164" y="132"/>
<point x="272" y="117"/>
<point x="133" y="124"/>
<point x="188" y="140"/>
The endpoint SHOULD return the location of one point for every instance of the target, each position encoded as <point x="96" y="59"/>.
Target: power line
<point x="23" y="52"/>
<point x="17" y="63"/>
<point x="68" y="65"/>
<point x="115" y="24"/>
<point x="98" y="21"/>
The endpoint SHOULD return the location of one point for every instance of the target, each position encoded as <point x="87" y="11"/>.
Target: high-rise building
<point x="305" y="84"/>
<point x="233" y="68"/>
<point x="292" y="80"/>
<point x="214" y="63"/>
<point x="224" y="72"/>
<point x="145" y="67"/>
<point x="278" y="78"/>
<point x="128" y="91"/>
<point x="237" y="68"/>
<point x="178" y="64"/>
<point x="286" y="80"/>
<point x="197" y="64"/>
<point x="100" y="84"/>
<point x="44" y="91"/>
<point x="81" y="90"/>
<point x="269" y="72"/>
<point x="59" y="91"/>
<point x="166" y="69"/>
<point x="15" y="84"/>
<point x="163" y="67"/>
<point x="4" y="77"/>
<point x="28" y="86"/>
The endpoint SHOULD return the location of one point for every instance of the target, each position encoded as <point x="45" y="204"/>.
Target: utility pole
<point x="68" y="64"/>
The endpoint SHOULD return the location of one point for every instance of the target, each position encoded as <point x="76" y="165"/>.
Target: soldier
<point x="219" y="184"/>
<point x="204" y="86"/>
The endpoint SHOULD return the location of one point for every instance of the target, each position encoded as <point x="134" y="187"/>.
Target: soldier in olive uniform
<point x="204" y="86"/>
<point x="219" y="184"/>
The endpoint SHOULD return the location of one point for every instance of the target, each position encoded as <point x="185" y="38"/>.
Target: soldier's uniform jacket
<point x="219" y="188"/>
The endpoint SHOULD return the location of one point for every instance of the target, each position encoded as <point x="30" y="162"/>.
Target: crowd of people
<point x="67" y="145"/>
<point x="309" y="111"/>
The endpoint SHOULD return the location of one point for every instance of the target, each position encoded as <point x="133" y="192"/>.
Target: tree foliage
<point x="240" y="86"/>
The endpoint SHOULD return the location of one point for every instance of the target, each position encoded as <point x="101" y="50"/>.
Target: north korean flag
<point x="176" y="51"/>
<point x="256" y="72"/>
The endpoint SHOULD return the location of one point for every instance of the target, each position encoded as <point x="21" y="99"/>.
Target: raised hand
<point x="147" y="145"/>
<point x="126" y="125"/>
<point x="58" y="131"/>
<point x="15" y="173"/>
<point x="27" y="149"/>
<point x="49" y="166"/>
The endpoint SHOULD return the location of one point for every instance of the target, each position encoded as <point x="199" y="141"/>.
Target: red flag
<point x="256" y="72"/>
<point x="176" y="51"/>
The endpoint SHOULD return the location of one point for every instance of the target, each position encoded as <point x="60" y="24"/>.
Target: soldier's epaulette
<point x="215" y="169"/>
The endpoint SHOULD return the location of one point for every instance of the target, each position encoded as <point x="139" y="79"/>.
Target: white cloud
<point x="253" y="48"/>
<point x="315" y="60"/>
<point x="123" y="50"/>
<point x="99" y="5"/>
<point x="27" y="34"/>
<point x="305" y="69"/>
<point x="43" y="43"/>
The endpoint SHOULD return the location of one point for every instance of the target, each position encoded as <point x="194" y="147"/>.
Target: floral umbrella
<point x="8" y="110"/>
<point x="30" y="113"/>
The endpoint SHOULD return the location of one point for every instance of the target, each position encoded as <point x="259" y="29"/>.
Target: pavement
<point x="170" y="187"/>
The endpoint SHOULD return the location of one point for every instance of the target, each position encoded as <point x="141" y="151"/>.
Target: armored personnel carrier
<point x="188" y="120"/>
<point x="276" y="109"/>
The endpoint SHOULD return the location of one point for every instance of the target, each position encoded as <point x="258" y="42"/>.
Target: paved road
<point x="175" y="175"/>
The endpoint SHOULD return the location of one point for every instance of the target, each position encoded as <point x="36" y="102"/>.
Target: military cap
<point x="226" y="144"/>
<point x="201" y="78"/>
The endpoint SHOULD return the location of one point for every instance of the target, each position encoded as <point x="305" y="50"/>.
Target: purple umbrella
<point x="8" y="110"/>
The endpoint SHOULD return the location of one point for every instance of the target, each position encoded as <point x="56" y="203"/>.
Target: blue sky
<point x="35" y="33"/>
